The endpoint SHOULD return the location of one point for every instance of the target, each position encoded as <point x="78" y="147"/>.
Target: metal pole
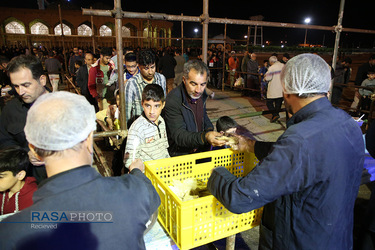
<point x="182" y="36"/>
<point x="205" y="18"/>
<point x="338" y="30"/>
<point x="248" y="38"/>
<point x="92" y="34"/>
<point x="304" y="43"/>
<point x="162" y="16"/>
<point x="255" y="35"/>
<point x="148" y="34"/>
<point x="120" y="63"/>
<point x="63" y="41"/>
<point x="224" y="65"/>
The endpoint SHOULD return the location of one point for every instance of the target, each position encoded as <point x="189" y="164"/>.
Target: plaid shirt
<point x="133" y="93"/>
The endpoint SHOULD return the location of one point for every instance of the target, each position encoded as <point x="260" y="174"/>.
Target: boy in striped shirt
<point x="147" y="136"/>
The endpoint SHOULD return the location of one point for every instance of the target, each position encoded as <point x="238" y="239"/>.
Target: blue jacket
<point x="131" y="199"/>
<point x="182" y="130"/>
<point x="308" y="182"/>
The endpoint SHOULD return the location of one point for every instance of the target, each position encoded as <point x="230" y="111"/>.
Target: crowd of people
<point x="307" y="180"/>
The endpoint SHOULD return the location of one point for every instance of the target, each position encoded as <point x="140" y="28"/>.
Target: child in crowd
<point x="366" y="93"/>
<point x="16" y="190"/>
<point x="111" y="115"/>
<point x="77" y="65"/>
<point x="263" y="83"/>
<point x="147" y="136"/>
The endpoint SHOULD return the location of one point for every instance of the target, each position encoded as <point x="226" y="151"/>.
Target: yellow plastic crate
<point x="200" y="221"/>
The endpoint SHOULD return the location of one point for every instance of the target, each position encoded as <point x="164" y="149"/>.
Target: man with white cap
<point x="308" y="180"/>
<point x="75" y="207"/>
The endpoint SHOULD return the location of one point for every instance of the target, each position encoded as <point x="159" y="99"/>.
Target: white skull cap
<point x="59" y="120"/>
<point x="306" y="73"/>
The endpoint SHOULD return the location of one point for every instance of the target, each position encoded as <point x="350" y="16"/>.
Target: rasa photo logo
<point x="50" y="219"/>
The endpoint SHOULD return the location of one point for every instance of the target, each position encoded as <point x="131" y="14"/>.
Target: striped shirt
<point x="133" y="93"/>
<point x="147" y="140"/>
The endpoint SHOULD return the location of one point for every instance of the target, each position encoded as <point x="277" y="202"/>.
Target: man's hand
<point x="109" y="123"/>
<point x="137" y="163"/>
<point x="211" y="138"/>
<point x="35" y="161"/>
<point x="244" y="144"/>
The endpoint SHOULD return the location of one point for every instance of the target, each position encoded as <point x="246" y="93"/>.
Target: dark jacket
<point x="130" y="199"/>
<point x="252" y="67"/>
<point x="166" y="66"/>
<point x="308" y="182"/>
<point x="83" y="79"/>
<point x="12" y="122"/>
<point x="183" y="135"/>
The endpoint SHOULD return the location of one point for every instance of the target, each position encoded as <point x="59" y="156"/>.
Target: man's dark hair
<point x="30" y="62"/>
<point x="130" y="57"/>
<point x="78" y="62"/>
<point x="286" y="55"/>
<point x="106" y="51"/>
<point x="153" y="92"/>
<point x="4" y="59"/>
<point x="224" y="123"/>
<point x="146" y="57"/>
<point x="14" y="159"/>
<point x="372" y="57"/>
<point x="348" y="60"/>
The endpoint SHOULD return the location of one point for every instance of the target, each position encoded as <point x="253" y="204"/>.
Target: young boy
<point x="226" y="125"/>
<point x="112" y="113"/>
<point x="147" y="136"/>
<point x="366" y="93"/>
<point x="16" y="190"/>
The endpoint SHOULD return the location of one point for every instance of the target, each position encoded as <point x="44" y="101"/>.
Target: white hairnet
<point x="306" y="73"/>
<point x="59" y="121"/>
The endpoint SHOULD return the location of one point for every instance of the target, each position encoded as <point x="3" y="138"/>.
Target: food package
<point x="189" y="189"/>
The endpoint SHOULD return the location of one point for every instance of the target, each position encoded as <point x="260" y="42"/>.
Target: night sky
<point x="357" y="14"/>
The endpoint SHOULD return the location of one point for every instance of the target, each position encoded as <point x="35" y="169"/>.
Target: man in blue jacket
<point x="309" y="179"/>
<point x="76" y="207"/>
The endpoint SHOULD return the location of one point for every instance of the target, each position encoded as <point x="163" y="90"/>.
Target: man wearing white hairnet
<point x="75" y="207"/>
<point x="309" y="178"/>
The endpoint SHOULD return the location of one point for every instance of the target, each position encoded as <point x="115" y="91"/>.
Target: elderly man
<point x="309" y="179"/>
<point x="188" y="126"/>
<point x="274" y="89"/>
<point x="75" y="191"/>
